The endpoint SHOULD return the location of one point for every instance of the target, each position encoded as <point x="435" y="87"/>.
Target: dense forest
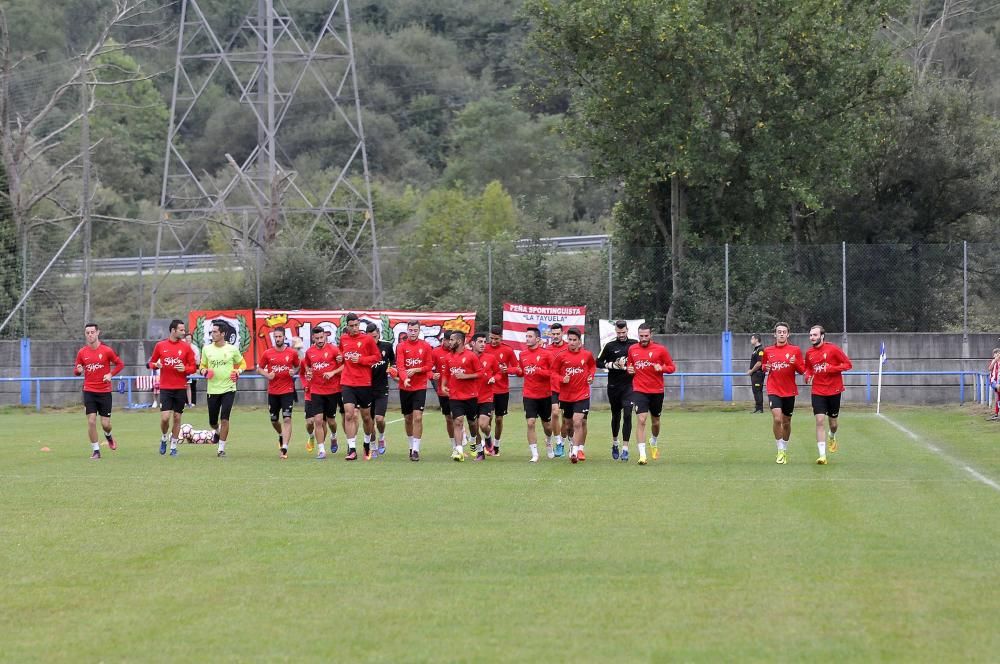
<point x="679" y="125"/>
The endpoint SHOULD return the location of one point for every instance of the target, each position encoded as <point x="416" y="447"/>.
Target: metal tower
<point x="267" y="70"/>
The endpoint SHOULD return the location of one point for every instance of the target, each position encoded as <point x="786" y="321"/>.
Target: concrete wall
<point x="692" y="353"/>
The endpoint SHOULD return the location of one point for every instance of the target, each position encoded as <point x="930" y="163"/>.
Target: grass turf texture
<point x="713" y="553"/>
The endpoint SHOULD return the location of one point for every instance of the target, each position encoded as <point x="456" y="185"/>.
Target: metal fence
<point x="846" y="287"/>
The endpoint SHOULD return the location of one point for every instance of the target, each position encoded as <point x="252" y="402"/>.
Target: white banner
<point x="607" y="329"/>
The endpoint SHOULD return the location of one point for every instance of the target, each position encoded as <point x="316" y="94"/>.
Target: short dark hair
<point x="535" y="330"/>
<point x="412" y="322"/>
<point x="371" y="327"/>
<point x="93" y="325"/>
<point x="458" y="333"/>
<point x="174" y="323"/>
<point x="478" y="335"/>
<point x="279" y="329"/>
<point x="349" y="317"/>
<point x="620" y="323"/>
<point x="573" y="332"/>
<point x="319" y="330"/>
<point x="221" y="324"/>
<point x="496" y="329"/>
<point x="555" y="326"/>
<point x="755" y="336"/>
<point x="822" y="330"/>
<point x="644" y="326"/>
<point x="783" y="324"/>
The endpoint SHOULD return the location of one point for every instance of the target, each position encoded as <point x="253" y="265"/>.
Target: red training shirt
<point x="489" y="368"/>
<point x="365" y="350"/>
<point x="439" y="358"/>
<point x="458" y="389"/>
<point x="320" y="361"/>
<point x="535" y="366"/>
<point x="282" y="363"/>
<point x="96" y="364"/>
<point x="781" y="364"/>
<point x="646" y="378"/>
<point x="580" y="366"/>
<point x="173" y="354"/>
<point x="506" y="359"/>
<point x="414" y="354"/>
<point x="825" y="365"/>
<point x="554" y="352"/>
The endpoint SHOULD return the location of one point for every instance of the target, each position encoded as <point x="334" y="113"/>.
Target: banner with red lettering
<point x="237" y="326"/>
<point x="519" y="317"/>
<point x="391" y="324"/>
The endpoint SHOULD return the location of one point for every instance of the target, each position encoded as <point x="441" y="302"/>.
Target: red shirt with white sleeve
<point x="580" y="366"/>
<point x="414" y="354"/>
<point x="781" y="364"/>
<point x="535" y="365"/>
<point x="647" y="378"/>
<point x="177" y="360"/>
<point x="825" y="365"/>
<point x="96" y="363"/>
<point x="282" y="363"/>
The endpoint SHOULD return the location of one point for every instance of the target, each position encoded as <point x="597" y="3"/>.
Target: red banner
<point x="237" y="325"/>
<point x="519" y="317"/>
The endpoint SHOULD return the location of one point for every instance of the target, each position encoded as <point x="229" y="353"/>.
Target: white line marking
<point x="950" y="459"/>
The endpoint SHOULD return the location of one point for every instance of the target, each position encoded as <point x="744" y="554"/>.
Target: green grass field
<point x="714" y="553"/>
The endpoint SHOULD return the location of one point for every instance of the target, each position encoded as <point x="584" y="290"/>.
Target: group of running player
<point x="471" y="380"/>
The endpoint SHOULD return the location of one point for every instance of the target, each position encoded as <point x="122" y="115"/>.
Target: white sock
<point x="614" y="441"/>
<point x="368" y="439"/>
<point x="164" y="438"/>
<point x="96" y="446"/>
<point x="548" y="441"/>
<point x="642" y="449"/>
<point x="222" y="445"/>
<point x="416" y="444"/>
<point x="652" y="441"/>
<point x="534" y="449"/>
<point x="173" y="443"/>
<point x="352" y="443"/>
<point x="496" y="442"/>
<point x="821" y="444"/>
<point x="381" y="436"/>
<point x="321" y="448"/>
<point x="781" y="444"/>
<point x="333" y="438"/>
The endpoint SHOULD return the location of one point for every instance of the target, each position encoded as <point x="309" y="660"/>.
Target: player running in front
<point x="459" y="380"/>
<point x="576" y="366"/>
<point x="414" y="366"/>
<point x="489" y="372"/>
<point x="614" y="358"/>
<point x="534" y="365"/>
<point x="556" y="346"/>
<point x="358" y="352"/>
<point x="174" y="357"/>
<point x="221" y="364"/>
<point x="94" y="362"/>
<point x="647" y="362"/>
<point x="825" y="365"/>
<point x="278" y="366"/>
<point x="781" y="362"/>
<point x="322" y="374"/>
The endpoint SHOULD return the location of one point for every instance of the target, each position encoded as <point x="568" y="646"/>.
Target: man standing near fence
<point x="278" y="365"/>
<point x="94" y="362"/>
<point x="756" y="372"/>
<point x="647" y="362"/>
<point x="781" y="362"/>
<point x="174" y="357"/>
<point x="221" y="365"/>
<point x="614" y="358"/>
<point x="825" y="365"/>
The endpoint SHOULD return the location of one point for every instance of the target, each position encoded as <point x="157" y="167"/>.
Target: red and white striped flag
<point x="519" y="317"/>
<point x="145" y="383"/>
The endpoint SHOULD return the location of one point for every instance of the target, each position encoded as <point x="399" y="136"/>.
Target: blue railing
<point x="979" y="382"/>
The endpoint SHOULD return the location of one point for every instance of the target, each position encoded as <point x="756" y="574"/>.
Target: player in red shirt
<point x="460" y="382"/>
<point x="647" y="362"/>
<point x="507" y="359"/>
<point x="93" y="362"/>
<point x="174" y="357"/>
<point x="534" y="364"/>
<point x="299" y="347"/>
<point x="439" y="358"/>
<point x="825" y="365"/>
<point x="576" y="367"/>
<point x="278" y="365"/>
<point x="358" y="352"/>
<point x="781" y="362"/>
<point x="489" y="373"/>
<point x="414" y="365"/>
<point x="323" y="370"/>
<point x="560" y="427"/>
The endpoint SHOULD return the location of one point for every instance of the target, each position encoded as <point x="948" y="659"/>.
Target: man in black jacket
<point x="756" y="372"/>
<point x="613" y="357"/>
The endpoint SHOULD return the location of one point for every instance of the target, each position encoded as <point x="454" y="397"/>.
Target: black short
<point x="569" y="408"/>
<point x="786" y="404"/>
<point x="619" y="397"/>
<point x="173" y="400"/>
<point x="486" y="408"/>
<point x="220" y="406"/>
<point x="468" y="408"/>
<point x="97" y="402"/>
<point x="411" y="401"/>
<point x="501" y="402"/>
<point x="445" y="404"/>
<point x="361" y="397"/>
<point x="307" y="407"/>
<point x="380" y="403"/>
<point x="537" y="408"/>
<point x="829" y="406"/>
<point x="326" y="405"/>
<point x="280" y="405"/>
<point x="648" y="403"/>
<point x="555" y="399"/>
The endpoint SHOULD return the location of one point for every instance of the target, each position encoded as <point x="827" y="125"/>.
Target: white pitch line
<point x="941" y="453"/>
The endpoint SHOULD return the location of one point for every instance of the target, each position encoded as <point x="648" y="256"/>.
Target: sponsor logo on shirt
<point x="96" y="366"/>
<point x="644" y="364"/>
<point x="574" y="371"/>
<point x="414" y="362"/>
<point x="352" y="356"/>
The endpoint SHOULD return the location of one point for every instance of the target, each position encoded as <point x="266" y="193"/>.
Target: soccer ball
<point x="186" y="431"/>
<point x="201" y="437"/>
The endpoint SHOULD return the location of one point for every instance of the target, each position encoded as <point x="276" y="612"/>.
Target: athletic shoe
<point x="284" y="453"/>
<point x="310" y="445"/>
<point x="334" y="447"/>
<point x="782" y="457"/>
<point x="95" y="455"/>
<point x="411" y="454"/>
<point x="614" y="451"/>
<point x="221" y="454"/>
<point x="163" y="447"/>
<point x="368" y="454"/>
<point x="458" y="456"/>
<point x="381" y="449"/>
<point x="549" y="453"/>
<point x="993" y="418"/>
<point x="655" y="452"/>
<point x="572" y="458"/>
<point x="624" y="456"/>
<point x="415" y="456"/>
<point x="533" y="459"/>
<point x="112" y="445"/>
<point x="480" y="456"/>
<point x="496" y="450"/>
<point x="559" y="449"/>
<point x="173" y="452"/>
<point x="351" y="456"/>
<point x="580" y="456"/>
<point x="642" y="459"/>
<point x="821" y="461"/>
<point x="321" y="456"/>
<point x="489" y="450"/>
<point x="832" y="443"/>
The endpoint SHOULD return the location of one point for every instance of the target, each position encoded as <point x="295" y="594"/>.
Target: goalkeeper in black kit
<point x="614" y="357"/>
